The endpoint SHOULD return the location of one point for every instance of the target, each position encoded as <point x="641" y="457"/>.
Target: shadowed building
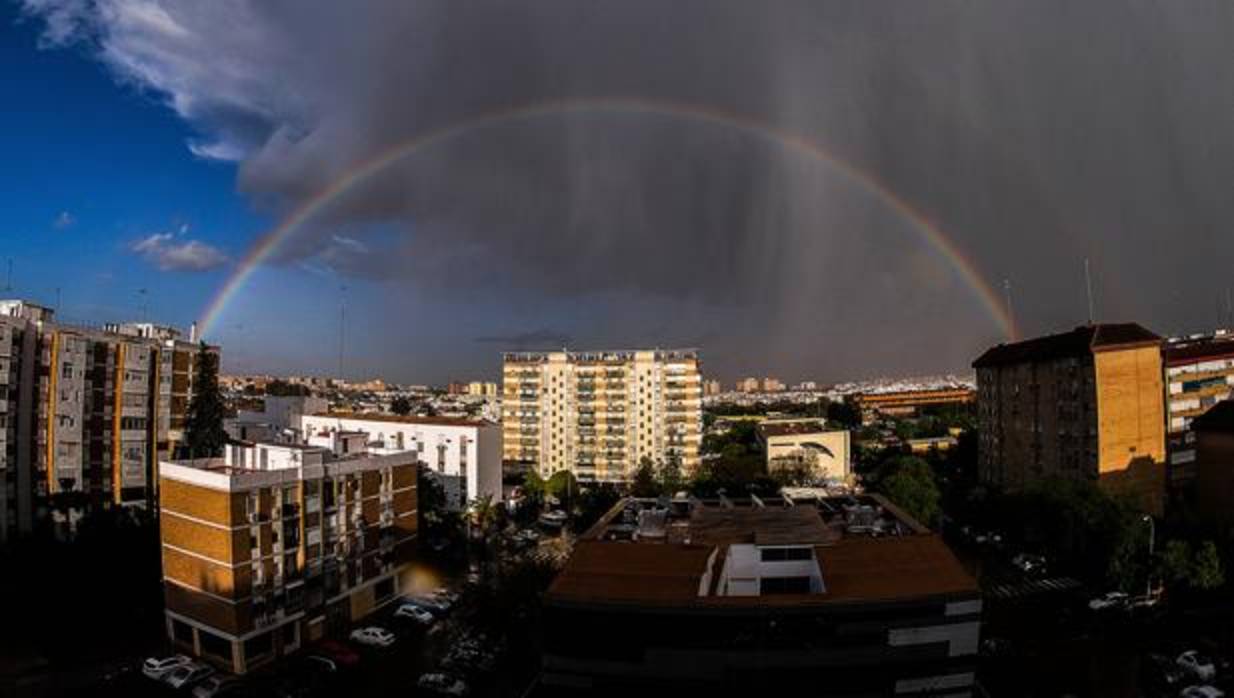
<point x="843" y="596"/>
<point x="1199" y="373"/>
<point x="1214" y="466"/>
<point x="1085" y="404"/>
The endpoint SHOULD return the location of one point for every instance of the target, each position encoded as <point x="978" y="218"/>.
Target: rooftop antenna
<point x="1229" y="309"/>
<point x="145" y="308"/>
<point x="57" y="300"/>
<point x="8" y="283"/>
<point x="1088" y="285"/>
<point x="342" y="327"/>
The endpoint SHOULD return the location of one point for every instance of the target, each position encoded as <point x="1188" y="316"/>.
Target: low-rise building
<point x="806" y="443"/>
<point x="840" y="596"/>
<point x="276" y="545"/>
<point x="905" y="403"/>
<point x="464" y="454"/>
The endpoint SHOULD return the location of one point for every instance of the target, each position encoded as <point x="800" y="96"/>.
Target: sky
<point x="809" y="189"/>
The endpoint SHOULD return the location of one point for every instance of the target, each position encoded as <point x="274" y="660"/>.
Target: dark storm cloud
<point x="1036" y="133"/>
<point x="536" y="339"/>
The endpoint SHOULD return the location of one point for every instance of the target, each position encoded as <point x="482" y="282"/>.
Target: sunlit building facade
<point x="598" y="414"/>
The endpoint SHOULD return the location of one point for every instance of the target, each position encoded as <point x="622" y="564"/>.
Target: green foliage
<point x="843" y="414"/>
<point x="644" y="483"/>
<point x="594" y="502"/>
<point x="669" y="478"/>
<point x="401" y="405"/>
<point x="204" y="436"/>
<point x="430" y="495"/>
<point x="561" y="485"/>
<point x="1182" y="564"/>
<point x="909" y="483"/>
<point x="282" y="388"/>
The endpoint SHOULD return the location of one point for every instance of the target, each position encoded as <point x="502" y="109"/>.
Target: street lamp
<point x="1152" y="533"/>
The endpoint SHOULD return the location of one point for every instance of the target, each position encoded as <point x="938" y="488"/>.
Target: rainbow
<point x="930" y="233"/>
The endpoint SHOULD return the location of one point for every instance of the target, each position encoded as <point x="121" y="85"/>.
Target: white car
<point x="414" y="612"/>
<point x="372" y="636"/>
<point x="1202" y="692"/>
<point x="187" y="675"/>
<point x="1197" y="665"/>
<point x="442" y="683"/>
<point x="1114" y="599"/>
<point x="156" y="667"/>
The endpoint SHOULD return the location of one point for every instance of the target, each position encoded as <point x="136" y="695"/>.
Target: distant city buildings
<point x="1086" y="404"/>
<point x="85" y="415"/>
<point x="598" y="414"/>
<point x="847" y="595"/>
<point x="748" y="385"/>
<point x="480" y="389"/>
<point x="711" y="387"/>
<point x="805" y="386"/>
<point x="905" y="403"/>
<point x="772" y="385"/>
<point x="275" y="545"/>
<point x="806" y="444"/>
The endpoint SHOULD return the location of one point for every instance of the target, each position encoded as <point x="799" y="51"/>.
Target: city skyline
<point x="808" y="233"/>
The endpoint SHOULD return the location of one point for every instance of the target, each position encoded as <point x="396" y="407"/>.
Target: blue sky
<point x="93" y="168"/>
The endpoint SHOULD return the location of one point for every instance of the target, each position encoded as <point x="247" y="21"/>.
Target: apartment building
<point x="711" y="388"/>
<point x="1085" y="404"/>
<point x="837" y="596"/>
<point x="88" y="414"/>
<point x="275" y="545"/>
<point x="598" y="414"/>
<point x="463" y="454"/>
<point x="773" y="385"/>
<point x="747" y="385"/>
<point x="1199" y="373"/>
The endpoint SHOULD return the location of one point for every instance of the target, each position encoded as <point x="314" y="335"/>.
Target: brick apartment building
<point x="1085" y="404"/>
<point x="275" y="545"/>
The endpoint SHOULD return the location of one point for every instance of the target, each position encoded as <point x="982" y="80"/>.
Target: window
<point x="785" y="554"/>
<point x="783" y="585"/>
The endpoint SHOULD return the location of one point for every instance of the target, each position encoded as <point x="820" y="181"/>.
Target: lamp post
<point x="1152" y="534"/>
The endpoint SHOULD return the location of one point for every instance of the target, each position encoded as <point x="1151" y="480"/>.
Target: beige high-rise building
<point x="598" y="414"/>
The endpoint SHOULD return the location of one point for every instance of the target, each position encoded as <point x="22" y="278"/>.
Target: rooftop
<point x="684" y="553"/>
<point x="1193" y="349"/>
<point x="1081" y="342"/>
<point x="792" y="428"/>
<point x="404" y="419"/>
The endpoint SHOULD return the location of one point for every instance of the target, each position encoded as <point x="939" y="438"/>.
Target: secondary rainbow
<point x="930" y="233"/>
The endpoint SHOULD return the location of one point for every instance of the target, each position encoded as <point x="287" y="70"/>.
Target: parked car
<point x="1029" y="564"/>
<point x="415" y="612"/>
<point x="216" y="685"/>
<point x="553" y="519"/>
<point x="1198" y="665"/>
<point x="443" y="684"/>
<point x="341" y="654"/>
<point x="372" y="636"/>
<point x="187" y="674"/>
<point x="158" y="667"/>
<point x="1113" y="599"/>
<point x="1202" y="692"/>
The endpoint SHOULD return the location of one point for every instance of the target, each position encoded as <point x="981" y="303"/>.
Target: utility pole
<point x="1088" y="285"/>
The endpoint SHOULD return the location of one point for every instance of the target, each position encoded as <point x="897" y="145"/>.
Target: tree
<point x="669" y="478"/>
<point x="909" y="484"/>
<point x="282" y="388"/>
<point x="1196" y="567"/>
<point x="1206" y="567"/>
<point x="204" y="436"/>
<point x="644" y="483"/>
<point x="843" y="414"/>
<point x="401" y="406"/>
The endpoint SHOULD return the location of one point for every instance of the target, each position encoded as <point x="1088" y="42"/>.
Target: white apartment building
<point x="597" y="414"/>
<point x="464" y="454"/>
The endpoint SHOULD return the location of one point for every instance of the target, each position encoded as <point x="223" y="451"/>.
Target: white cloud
<point x="64" y="220"/>
<point x="169" y="253"/>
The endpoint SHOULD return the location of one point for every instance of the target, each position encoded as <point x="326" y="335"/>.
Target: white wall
<point x="744" y="568"/>
<point x="439" y="447"/>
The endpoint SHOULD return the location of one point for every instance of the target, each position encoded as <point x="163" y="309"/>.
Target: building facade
<point x="838" y="596"/>
<point x="903" y="403"/>
<point x="1085" y="404"/>
<point x="276" y="545"/>
<point x="806" y="443"/>
<point x="1199" y="373"/>
<point x="464" y="454"/>
<point x="1213" y="442"/>
<point x="598" y="414"/>
<point x="89" y="413"/>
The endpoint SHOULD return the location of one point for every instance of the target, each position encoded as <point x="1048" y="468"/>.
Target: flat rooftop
<point x="657" y="552"/>
<point x="404" y="419"/>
